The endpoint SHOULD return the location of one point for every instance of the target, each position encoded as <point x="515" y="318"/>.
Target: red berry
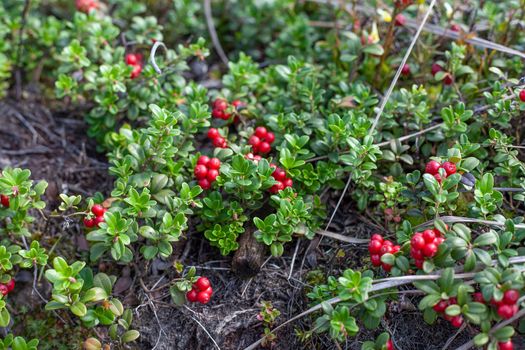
<point x="508" y="345"/>
<point x="374" y="247"/>
<point x="478" y="297"/>
<point x="87" y="5"/>
<point x="261" y="132"/>
<point x="213" y="133"/>
<point x="511" y="296"/>
<point x="377" y="237"/>
<point x="277" y="187"/>
<point x="137" y="69"/>
<point x="212" y="175"/>
<point x="455" y="27"/>
<point x="217" y="113"/>
<point x="400" y="20"/>
<point x="419" y="263"/>
<point x="4" y="200"/>
<point x="437" y="232"/>
<point x="429" y="236"/>
<point x="264" y="147"/>
<point x="200" y="171"/>
<point x="203" y="160"/>
<point x="506" y="311"/>
<point x="457" y="321"/>
<point x="440" y="306"/>
<point x="450" y="168"/>
<point x="435" y="68"/>
<point x="416" y="254"/>
<point x="388" y="243"/>
<point x="203" y="297"/>
<point x="386" y="249"/>
<point x="254" y="141"/>
<point x="430" y="250"/>
<point x="192" y="296"/>
<point x="395" y="249"/>
<point x="238" y="104"/>
<point x="375" y="259"/>
<point x="432" y="167"/>
<point x="279" y="174"/>
<point x="448" y="79"/>
<point x="386" y="267"/>
<point x="10" y="285"/>
<point x="98" y="210"/>
<point x="522" y="95"/>
<point x="389" y="345"/>
<point x="452" y="300"/>
<point x="99" y="220"/>
<point x="220" y="104"/>
<point x="225" y="115"/>
<point x="439" y="240"/>
<point x="204" y="184"/>
<point x="405" y="70"/>
<point x="287" y="182"/>
<point x="214" y="163"/>
<point x="270" y="137"/>
<point x="89" y="222"/>
<point x="257" y="157"/>
<point x="417" y="241"/>
<point x="131" y="59"/>
<point x="219" y="141"/>
<point x="438" y="178"/>
<point x="202" y="283"/>
<point x="3" y="289"/>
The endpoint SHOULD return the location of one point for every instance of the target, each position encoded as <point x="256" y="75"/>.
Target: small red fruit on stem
<point x="522" y="95"/>
<point x="192" y="296"/>
<point x="202" y="283"/>
<point x="97" y="210"/>
<point x="508" y="345"/>
<point x="432" y="167"/>
<point x="4" y="200"/>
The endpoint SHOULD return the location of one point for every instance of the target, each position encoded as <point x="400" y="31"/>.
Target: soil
<point x="54" y="146"/>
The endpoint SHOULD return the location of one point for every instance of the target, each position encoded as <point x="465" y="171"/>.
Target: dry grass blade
<point x="213" y="33"/>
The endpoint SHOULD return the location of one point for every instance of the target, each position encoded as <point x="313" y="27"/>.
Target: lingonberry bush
<point x="245" y="163"/>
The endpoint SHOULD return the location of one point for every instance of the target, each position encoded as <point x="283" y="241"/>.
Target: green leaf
<point x="130" y="336"/>
<point x="78" y="308"/>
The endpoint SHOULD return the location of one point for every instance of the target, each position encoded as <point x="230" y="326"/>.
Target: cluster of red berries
<point x="425" y="245"/>
<point x="99" y="212"/>
<point x="200" y="292"/>
<point x="522" y="95"/>
<point x="134" y="60"/>
<point x="4" y="200"/>
<point x="206" y="171"/>
<point x="282" y="180"/>
<point x="261" y="140"/>
<point x="440" y="308"/>
<point x="379" y="247"/>
<point x="507" y="307"/>
<point x="7" y="287"/>
<point x="433" y="167"/>
<point x="221" y="106"/>
<point x="87" y="5"/>
<point x="216" y="138"/>
<point x="447" y="79"/>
